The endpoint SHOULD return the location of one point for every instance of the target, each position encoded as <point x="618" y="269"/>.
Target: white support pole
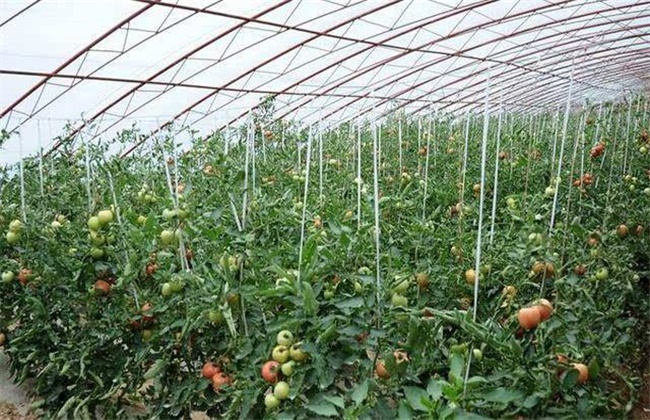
<point x="555" y="182"/>
<point x="496" y="176"/>
<point x="399" y="141"/>
<point x="375" y="155"/>
<point x="21" y="168"/>
<point x="304" y="208"/>
<point x="359" y="176"/>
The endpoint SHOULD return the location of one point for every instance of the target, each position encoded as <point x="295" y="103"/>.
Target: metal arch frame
<point x="558" y="79"/>
<point x="559" y="54"/>
<point x="373" y="66"/>
<point x="99" y="68"/>
<point x="549" y="87"/>
<point x="160" y="83"/>
<point x="514" y="48"/>
<point x="359" y="41"/>
<point x="240" y="76"/>
<point x="164" y="70"/>
<point x="453" y="11"/>
<point x="20" y="12"/>
<point x="548" y="97"/>
<point x="74" y="57"/>
<point x="257" y="67"/>
<point x="498" y="39"/>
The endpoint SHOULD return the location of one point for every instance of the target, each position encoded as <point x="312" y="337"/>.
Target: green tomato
<point x="176" y="285"/>
<point x="16" y="226"/>
<point x="96" y="238"/>
<point x="281" y="390"/>
<point x="105" y="217"/>
<point x="168" y="214"/>
<point x="12" y="237"/>
<point x="55" y="224"/>
<point x="284" y="338"/>
<point x="96" y="253"/>
<point x="271" y="402"/>
<point x="478" y="354"/>
<point x="401" y="287"/>
<point x="280" y="354"/>
<point x="8" y="276"/>
<point x="216" y="317"/>
<point x="296" y="353"/>
<point x="602" y="274"/>
<point x="166" y="289"/>
<point x="142" y="220"/>
<point x="147" y="335"/>
<point x="358" y="287"/>
<point x="287" y="368"/>
<point x="166" y="237"/>
<point x="94" y="224"/>
<point x="399" y="300"/>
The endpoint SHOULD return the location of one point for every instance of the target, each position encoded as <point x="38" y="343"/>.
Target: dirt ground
<point x="14" y="401"/>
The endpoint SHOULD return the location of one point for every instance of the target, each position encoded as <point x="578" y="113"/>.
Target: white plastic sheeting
<point x="102" y="65"/>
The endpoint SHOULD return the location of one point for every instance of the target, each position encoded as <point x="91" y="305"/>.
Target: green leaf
<point x="503" y="396"/>
<point x="414" y="397"/>
<point x="404" y="412"/>
<point x="360" y="393"/>
<point x="337" y="401"/>
<point x="434" y="389"/>
<point x="594" y="368"/>
<point x="456" y="367"/>
<point x="355" y="302"/>
<point x="570" y="379"/>
<point x="323" y="408"/>
<point x="155" y="369"/>
<point x="309" y="299"/>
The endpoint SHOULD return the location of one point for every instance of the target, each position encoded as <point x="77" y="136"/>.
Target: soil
<point x="14" y="401"/>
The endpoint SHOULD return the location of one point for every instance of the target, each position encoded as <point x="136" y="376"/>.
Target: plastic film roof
<point x="103" y="65"/>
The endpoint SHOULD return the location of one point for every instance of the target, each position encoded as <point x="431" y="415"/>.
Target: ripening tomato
<point x="209" y="370"/>
<point x="24" y="275"/>
<point x="270" y="371"/>
<point x="102" y="287"/>
<point x="583" y="372"/>
<point x="380" y="370"/>
<point x="219" y="380"/>
<point x="545" y="309"/>
<point x="529" y="318"/>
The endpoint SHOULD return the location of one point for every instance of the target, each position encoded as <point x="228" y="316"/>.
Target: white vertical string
<point x="465" y="154"/>
<point x="115" y="204"/>
<point x="263" y="137"/>
<point x="253" y="157"/>
<point x="426" y="171"/>
<point x="477" y="263"/>
<point x="555" y="182"/>
<point x="496" y="174"/>
<point x="375" y="155"/>
<point x="358" y="176"/>
<point x="249" y="133"/>
<point x="320" y="163"/>
<point x="486" y="125"/>
<point x="88" y="173"/>
<point x="419" y="141"/>
<point x="226" y="140"/>
<point x="399" y="141"/>
<point x="627" y="137"/>
<point x="21" y="168"/>
<point x="304" y="208"/>
<point x="40" y="157"/>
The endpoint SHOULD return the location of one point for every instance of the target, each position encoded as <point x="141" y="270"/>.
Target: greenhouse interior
<point x="310" y="209"/>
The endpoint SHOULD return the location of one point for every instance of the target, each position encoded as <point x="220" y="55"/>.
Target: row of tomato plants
<point x="132" y="302"/>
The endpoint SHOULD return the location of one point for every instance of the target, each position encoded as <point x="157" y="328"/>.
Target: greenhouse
<point x="309" y="209"/>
